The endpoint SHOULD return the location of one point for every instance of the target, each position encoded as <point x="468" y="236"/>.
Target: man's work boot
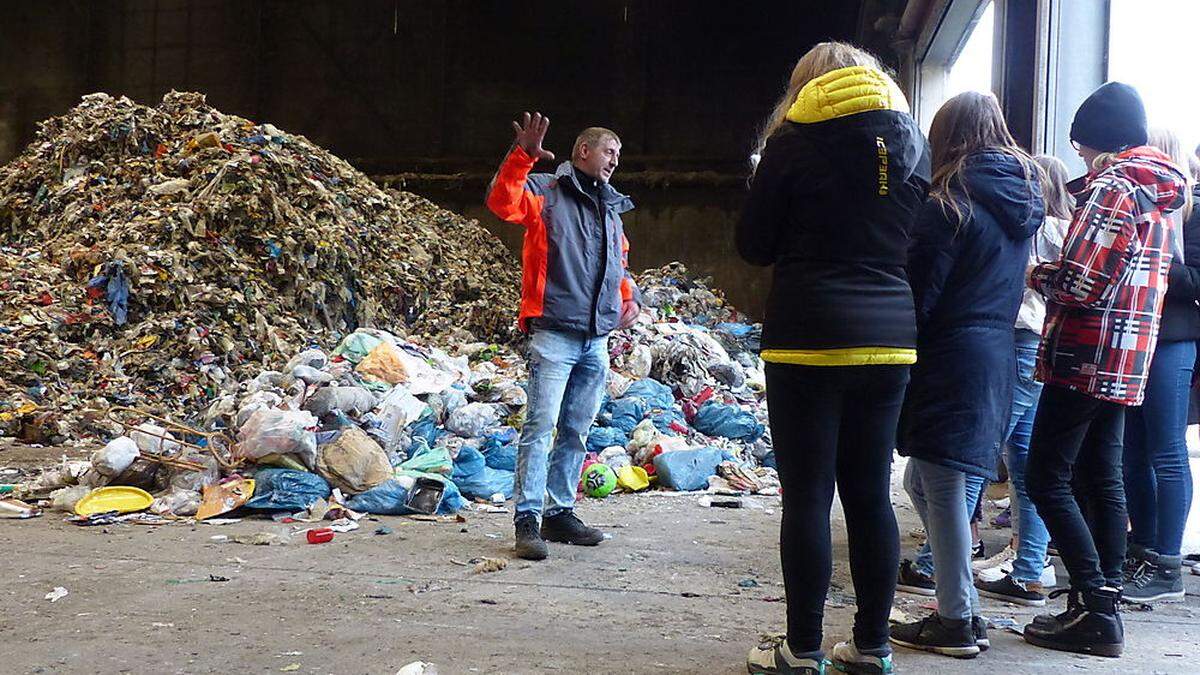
<point x="529" y="543"/>
<point x="566" y="528"/>
<point x="1095" y="630"/>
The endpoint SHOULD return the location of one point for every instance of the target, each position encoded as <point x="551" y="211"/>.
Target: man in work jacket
<point x="576" y="289"/>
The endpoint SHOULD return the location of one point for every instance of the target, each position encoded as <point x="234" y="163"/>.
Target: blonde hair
<point x="1166" y="140"/>
<point x="1059" y="201"/>
<point x="966" y="124"/>
<point x="591" y="137"/>
<point x="821" y="59"/>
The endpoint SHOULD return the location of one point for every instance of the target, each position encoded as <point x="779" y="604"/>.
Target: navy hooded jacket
<point x="967" y="282"/>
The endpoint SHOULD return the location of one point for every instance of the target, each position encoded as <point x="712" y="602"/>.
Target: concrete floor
<point x="663" y="596"/>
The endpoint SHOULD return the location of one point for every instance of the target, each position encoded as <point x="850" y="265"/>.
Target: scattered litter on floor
<point x="57" y="594"/>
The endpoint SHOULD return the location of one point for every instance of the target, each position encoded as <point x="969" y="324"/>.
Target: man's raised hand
<point x="530" y="134"/>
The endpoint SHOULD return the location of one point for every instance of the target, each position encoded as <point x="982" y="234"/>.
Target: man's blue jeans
<point x="1158" y="480"/>
<point x="1032" y="537"/>
<point x="567" y="376"/>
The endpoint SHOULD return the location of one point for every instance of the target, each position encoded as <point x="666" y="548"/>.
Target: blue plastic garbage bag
<point x="389" y="497"/>
<point x="769" y="460"/>
<point x="476" y="480"/>
<point x="287" y="490"/>
<point x="734" y="329"/>
<point x="654" y="393"/>
<point x="664" y="418"/>
<point x="600" y="438"/>
<point x="426" y="428"/>
<point x="116" y="290"/>
<point x="498" y="454"/>
<point x="624" y="413"/>
<point x="687" y="470"/>
<point x="729" y="421"/>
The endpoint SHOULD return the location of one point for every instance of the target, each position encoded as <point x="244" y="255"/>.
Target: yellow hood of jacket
<point x="846" y="91"/>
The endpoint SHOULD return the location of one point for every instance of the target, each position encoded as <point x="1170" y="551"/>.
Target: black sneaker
<point x="1010" y="590"/>
<point x="529" y="543"/>
<point x="979" y="627"/>
<point x="940" y="636"/>
<point x="1095" y="629"/>
<point x="910" y="580"/>
<point x="978" y="552"/>
<point x="566" y="528"/>
<point x="1158" y="579"/>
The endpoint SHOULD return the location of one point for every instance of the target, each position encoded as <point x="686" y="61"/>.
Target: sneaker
<point x="1095" y="629"/>
<point x="1049" y="578"/>
<point x="567" y="528"/>
<point x="529" y="543"/>
<point x="938" y="635"/>
<point x="978" y="552"/>
<point x="1052" y="550"/>
<point x="1011" y="590"/>
<point x="1191" y="560"/>
<point x="846" y="658"/>
<point x="910" y="580"/>
<point x="1003" y="520"/>
<point x="773" y="657"/>
<point x="1006" y="556"/>
<point x="979" y="626"/>
<point x="1158" y="579"/>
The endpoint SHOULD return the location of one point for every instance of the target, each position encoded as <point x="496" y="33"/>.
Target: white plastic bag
<point x="153" y="439"/>
<point x="470" y="420"/>
<point x="114" y="458"/>
<point x="176" y="502"/>
<point x="279" y="432"/>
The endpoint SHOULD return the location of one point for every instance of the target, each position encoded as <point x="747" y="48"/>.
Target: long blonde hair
<point x="1166" y="140"/>
<point x="966" y="124"/>
<point x="821" y="59"/>
<point x="1059" y="202"/>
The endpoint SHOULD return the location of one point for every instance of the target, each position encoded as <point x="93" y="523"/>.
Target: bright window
<point x="1151" y="45"/>
<point x="972" y="71"/>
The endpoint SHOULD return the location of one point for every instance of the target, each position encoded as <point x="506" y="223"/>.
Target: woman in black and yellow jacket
<point x="843" y="171"/>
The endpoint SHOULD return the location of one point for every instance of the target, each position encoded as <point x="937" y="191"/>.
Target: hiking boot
<point x="529" y="543"/>
<point x="949" y="637"/>
<point x="910" y="580"/>
<point x="1004" y="557"/>
<point x="1011" y="590"/>
<point x="773" y="657"/>
<point x="567" y="528"/>
<point x="979" y="626"/>
<point x="1158" y="579"/>
<point x="846" y="658"/>
<point x="1074" y="608"/>
<point x="1095" y="629"/>
<point x="1135" y="556"/>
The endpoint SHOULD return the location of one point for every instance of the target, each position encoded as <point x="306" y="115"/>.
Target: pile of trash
<point x="387" y="425"/>
<point x="158" y="256"/>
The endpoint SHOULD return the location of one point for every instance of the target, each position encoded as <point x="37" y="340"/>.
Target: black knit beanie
<point x="1111" y="119"/>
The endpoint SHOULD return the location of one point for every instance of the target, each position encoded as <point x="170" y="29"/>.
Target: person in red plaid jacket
<point x="1104" y="298"/>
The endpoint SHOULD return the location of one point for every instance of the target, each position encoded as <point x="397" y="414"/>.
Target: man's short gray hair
<point x="592" y="136"/>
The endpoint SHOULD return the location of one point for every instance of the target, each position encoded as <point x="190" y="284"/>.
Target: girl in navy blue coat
<point x="967" y="270"/>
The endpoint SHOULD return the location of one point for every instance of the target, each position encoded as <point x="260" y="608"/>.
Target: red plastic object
<point x="320" y="535"/>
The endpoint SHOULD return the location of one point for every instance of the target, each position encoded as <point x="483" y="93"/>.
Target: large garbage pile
<point x="158" y="256"/>
<point x="384" y="424"/>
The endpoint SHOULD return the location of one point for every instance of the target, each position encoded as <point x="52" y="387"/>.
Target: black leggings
<point x="836" y="425"/>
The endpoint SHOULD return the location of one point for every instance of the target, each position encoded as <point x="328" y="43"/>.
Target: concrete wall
<point x="417" y="86"/>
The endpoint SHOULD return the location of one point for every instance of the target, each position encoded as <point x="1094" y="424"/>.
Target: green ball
<point x="599" y="480"/>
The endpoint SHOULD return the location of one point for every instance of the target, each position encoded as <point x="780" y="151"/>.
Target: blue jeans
<point x="1032" y="537"/>
<point x="942" y="497"/>
<point x="974" y="487"/>
<point x="567" y="374"/>
<point x="1158" y="481"/>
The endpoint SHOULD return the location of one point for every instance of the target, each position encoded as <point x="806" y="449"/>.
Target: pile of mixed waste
<point x="391" y="425"/>
<point x="158" y="256"/>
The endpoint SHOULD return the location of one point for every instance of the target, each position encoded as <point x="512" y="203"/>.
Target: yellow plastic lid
<point x="119" y="498"/>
